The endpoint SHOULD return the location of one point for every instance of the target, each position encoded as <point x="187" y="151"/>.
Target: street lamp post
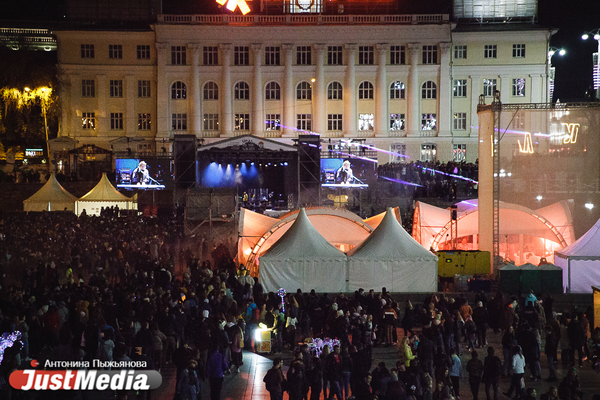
<point x="551" y="71"/>
<point x="596" y="59"/>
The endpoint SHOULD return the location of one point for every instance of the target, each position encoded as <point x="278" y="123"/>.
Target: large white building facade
<point x="408" y="84"/>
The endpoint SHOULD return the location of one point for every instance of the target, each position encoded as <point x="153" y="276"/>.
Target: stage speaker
<point x="184" y="147"/>
<point x="309" y="170"/>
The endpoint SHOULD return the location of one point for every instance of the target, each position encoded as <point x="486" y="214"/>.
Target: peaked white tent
<point x="51" y="197"/>
<point x="390" y="257"/>
<point x="580" y="262"/>
<point x="303" y="259"/>
<point x="104" y="195"/>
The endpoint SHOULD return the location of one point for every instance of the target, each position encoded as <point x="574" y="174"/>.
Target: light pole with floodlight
<point x="551" y="70"/>
<point x="596" y="59"/>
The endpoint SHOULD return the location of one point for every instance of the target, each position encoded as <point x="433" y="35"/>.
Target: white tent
<point x="104" y="195"/>
<point x="390" y="257"/>
<point x="51" y="197"/>
<point x="580" y="262"/>
<point x="303" y="259"/>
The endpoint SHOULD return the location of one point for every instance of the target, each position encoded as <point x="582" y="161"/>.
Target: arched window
<point x="365" y="91"/>
<point x="241" y="91"/>
<point x="211" y="91"/>
<point x="272" y="91"/>
<point x="178" y="91"/>
<point x="334" y="91"/>
<point x="429" y="90"/>
<point x="304" y="91"/>
<point x="397" y="90"/>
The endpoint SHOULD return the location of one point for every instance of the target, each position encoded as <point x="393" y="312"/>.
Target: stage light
<point x="251" y="163"/>
<point x="285" y="163"/>
<point x="589" y="206"/>
<point x="539" y="198"/>
<point x="269" y="164"/>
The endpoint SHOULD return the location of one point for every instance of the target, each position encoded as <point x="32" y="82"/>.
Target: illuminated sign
<point x="34" y="152"/>
<point x="232" y="4"/>
<point x="527" y="147"/>
<point x="572" y="131"/>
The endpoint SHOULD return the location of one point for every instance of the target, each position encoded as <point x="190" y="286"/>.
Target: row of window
<point x="366" y="122"/>
<point x="115" y="51"/>
<point x="303" y="90"/>
<point x="490" y="51"/>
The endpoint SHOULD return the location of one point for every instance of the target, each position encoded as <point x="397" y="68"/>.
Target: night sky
<point x="571" y="17"/>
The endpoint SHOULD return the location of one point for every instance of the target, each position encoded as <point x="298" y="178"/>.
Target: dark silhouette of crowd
<point x="110" y="288"/>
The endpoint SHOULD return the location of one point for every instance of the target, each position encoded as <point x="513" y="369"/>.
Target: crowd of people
<point x="108" y="288"/>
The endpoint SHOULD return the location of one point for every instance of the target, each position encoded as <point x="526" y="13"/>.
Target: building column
<point x="75" y="123"/>
<point x="444" y="127"/>
<point x="131" y="95"/>
<point x="226" y="107"/>
<point x="194" y="104"/>
<point x="64" y="128"/>
<point x="350" y="116"/>
<point x="101" y="117"/>
<point x="382" y="93"/>
<point x="162" y="93"/>
<point x="505" y="91"/>
<point x="537" y="95"/>
<point x="318" y="90"/>
<point x="414" y="94"/>
<point x="289" y="105"/>
<point x="475" y="81"/>
<point x="258" y="115"/>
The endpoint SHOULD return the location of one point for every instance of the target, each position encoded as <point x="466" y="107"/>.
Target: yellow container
<point x="463" y="262"/>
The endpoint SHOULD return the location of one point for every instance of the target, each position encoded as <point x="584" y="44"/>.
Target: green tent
<point x="551" y="279"/>
<point x="510" y="278"/>
<point x="531" y="278"/>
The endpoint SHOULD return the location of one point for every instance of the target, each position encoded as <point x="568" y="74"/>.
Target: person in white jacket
<point x="518" y="369"/>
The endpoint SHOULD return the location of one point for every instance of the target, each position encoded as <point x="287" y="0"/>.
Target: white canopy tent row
<point x="580" y="262"/>
<point x="389" y="257"/>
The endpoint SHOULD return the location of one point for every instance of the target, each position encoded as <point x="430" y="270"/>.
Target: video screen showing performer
<point x="140" y="175"/>
<point x="344" y="174"/>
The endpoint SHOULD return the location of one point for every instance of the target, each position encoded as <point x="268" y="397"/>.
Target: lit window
<point x="242" y="122"/>
<point x="428" y="122"/>
<point x="518" y="87"/>
<point x="428" y="152"/>
<point x="489" y="87"/>
<point x="144" y="122"/>
<point x="397" y="90"/>
<point x="397" y="122"/>
<point x="88" y="120"/>
<point x="273" y="122"/>
<point x="459" y="88"/>
<point x="366" y="122"/>
<point x="459" y="152"/>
